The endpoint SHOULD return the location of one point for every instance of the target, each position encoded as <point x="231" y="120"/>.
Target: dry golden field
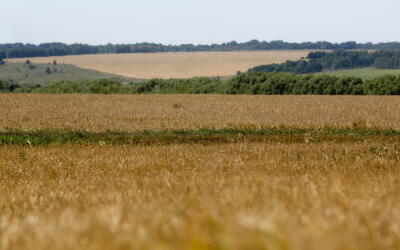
<point x="136" y="112"/>
<point x="174" y="65"/>
<point x="267" y="195"/>
<point x="230" y="196"/>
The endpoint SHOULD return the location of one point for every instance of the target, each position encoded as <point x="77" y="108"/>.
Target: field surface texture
<point x="197" y="172"/>
<point x="216" y="196"/>
<point x="100" y="113"/>
<point x="174" y="65"/>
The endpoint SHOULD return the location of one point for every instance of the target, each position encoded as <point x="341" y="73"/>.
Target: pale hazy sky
<point x="200" y="21"/>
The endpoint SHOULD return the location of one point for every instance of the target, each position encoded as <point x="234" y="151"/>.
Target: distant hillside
<point x="363" y="73"/>
<point x="46" y="73"/>
<point x="321" y="61"/>
<point x="173" y="65"/>
<point x="19" y="50"/>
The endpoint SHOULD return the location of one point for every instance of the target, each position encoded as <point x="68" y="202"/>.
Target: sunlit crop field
<point x="174" y="65"/>
<point x="331" y="188"/>
<point x="228" y="196"/>
<point x="138" y="112"/>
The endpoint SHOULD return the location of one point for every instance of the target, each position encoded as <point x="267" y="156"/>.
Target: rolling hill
<point x="46" y="73"/>
<point x="174" y="65"/>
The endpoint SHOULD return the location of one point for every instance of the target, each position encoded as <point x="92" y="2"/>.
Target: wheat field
<point x="137" y="112"/>
<point x="307" y="194"/>
<point x="230" y="196"/>
<point x="174" y="65"/>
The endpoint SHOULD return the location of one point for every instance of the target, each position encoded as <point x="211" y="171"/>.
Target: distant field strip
<point x="203" y="136"/>
<point x="174" y="65"/>
<point x="99" y="113"/>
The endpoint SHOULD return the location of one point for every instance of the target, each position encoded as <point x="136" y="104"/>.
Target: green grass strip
<point x="202" y="136"/>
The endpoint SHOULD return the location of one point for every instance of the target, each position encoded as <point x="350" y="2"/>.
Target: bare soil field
<point x="174" y="65"/>
<point x="137" y="112"/>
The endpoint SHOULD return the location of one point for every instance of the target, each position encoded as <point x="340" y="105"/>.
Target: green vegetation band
<point x="202" y="135"/>
<point x="246" y="83"/>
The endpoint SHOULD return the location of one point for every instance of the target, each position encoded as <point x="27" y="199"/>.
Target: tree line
<point x="320" y="61"/>
<point x="252" y="83"/>
<point x="19" y="50"/>
<point x="294" y="84"/>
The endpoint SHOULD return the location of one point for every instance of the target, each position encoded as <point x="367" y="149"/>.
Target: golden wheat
<point x="191" y="196"/>
<point x="132" y="112"/>
<point x="234" y="196"/>
<point x="174" y="65"/>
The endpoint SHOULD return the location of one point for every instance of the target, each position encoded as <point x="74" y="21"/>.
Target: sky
<point x="198" y="21"/>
